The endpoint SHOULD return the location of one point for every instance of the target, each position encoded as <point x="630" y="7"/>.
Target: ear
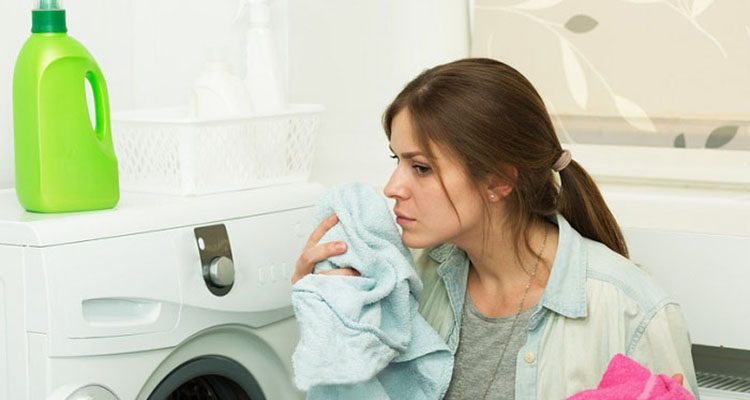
<point x="499" y="187"/>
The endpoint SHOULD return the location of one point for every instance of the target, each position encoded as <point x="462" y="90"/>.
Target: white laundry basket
<point x="167" y="151"/>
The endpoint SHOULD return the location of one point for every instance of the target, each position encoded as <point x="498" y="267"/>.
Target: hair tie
<point x="563" y="161"/>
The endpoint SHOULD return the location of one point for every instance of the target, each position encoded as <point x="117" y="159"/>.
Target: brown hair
<point x="490" y="117"/>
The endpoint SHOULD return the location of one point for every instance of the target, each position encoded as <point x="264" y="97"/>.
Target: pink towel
<point x="625" y="379"/>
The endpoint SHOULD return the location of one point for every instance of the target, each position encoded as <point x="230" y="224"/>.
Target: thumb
<point x="342" y="271"/>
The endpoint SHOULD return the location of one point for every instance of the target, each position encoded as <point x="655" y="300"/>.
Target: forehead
<point x="402" y="132"/>
<point x="404" y="138"/>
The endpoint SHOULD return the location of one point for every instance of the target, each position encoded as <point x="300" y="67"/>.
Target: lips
<point x="403" y="219"/>
<point x="399" y="214"/>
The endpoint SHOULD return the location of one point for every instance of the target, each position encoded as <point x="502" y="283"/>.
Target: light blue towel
<point x="361" y="337"/>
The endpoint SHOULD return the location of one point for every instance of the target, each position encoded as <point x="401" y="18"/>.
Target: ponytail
<point x="582" y="204"/>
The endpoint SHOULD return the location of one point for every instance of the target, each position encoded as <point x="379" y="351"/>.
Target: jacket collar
<point x="441" y="252"/>
<point x="565" y="293"/>
<point x="454" y="271"/>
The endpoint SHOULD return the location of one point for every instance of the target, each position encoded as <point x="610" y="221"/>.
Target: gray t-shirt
<point x="479" y="347"/>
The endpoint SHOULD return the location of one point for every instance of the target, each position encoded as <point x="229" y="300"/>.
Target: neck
<point x="497" y="273"/>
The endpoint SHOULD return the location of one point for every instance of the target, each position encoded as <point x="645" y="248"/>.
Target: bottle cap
<point x="48" y="16"/>
<point x="48" y="5"/>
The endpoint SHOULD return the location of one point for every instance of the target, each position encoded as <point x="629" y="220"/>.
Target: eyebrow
<point x="407" y="155"/>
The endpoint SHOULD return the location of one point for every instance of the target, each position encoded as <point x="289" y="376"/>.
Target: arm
<point x="664" y="346"/>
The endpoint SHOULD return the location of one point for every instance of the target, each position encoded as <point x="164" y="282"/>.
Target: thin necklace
<point x="520" y="307"/>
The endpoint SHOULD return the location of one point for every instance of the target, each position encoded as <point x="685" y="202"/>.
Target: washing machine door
<point x="208" y="377"/>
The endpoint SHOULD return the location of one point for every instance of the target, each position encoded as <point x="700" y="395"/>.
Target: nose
<point x="396" y="188"/>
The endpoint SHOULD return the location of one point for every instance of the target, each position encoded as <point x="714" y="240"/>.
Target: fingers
<point x="342" y="272"/>
<point x="323" y="251"/>
<point x="321" y="230"/>
<point x="679" y="378"/>
<point x="314" y="255"/>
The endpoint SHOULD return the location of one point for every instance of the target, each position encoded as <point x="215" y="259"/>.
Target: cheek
<point x="438" y="223"/>
<point x="467" y="215"/>
<point x="438" y="219"/>
<point x="431" y="197"/>
<point x="472" y="210"/>
<point x="472" y="213"/>
<point x="437" y="210"/>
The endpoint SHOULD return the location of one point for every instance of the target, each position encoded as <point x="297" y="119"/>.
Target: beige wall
<point x="670" y="73"/>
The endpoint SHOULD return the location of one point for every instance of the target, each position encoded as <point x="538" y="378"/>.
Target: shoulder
<point x="616" y="284"/>
<point x="655" y="330"/>
<point x="590" y="266"/>
<point x="621" y="299"/>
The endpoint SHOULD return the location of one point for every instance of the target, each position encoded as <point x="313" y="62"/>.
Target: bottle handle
<point x="101" y="104"/>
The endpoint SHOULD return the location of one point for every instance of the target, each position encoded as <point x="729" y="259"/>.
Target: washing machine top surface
<point x="142" y="212"/>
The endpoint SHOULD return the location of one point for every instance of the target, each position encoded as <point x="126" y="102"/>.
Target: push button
<point x="529" y="357"/>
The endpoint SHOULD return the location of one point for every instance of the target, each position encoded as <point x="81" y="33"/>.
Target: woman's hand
<point x="679" y="378"/>
<point x="314" y="253"/>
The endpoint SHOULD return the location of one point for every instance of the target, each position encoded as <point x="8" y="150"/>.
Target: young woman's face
<point x="423" y="209"/>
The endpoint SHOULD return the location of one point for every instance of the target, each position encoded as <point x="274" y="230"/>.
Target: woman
<point x="525" y="269"/>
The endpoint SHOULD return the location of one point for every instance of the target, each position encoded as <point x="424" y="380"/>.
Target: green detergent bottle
<point x="63" y="163"/>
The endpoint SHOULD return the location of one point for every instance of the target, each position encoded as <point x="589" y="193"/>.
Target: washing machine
<point x="163" y="297"/>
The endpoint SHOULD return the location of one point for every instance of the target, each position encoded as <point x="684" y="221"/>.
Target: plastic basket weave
<point x="165" y="151"/>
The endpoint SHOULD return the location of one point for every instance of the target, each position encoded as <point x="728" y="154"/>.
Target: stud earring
<point x="492" y="197"/>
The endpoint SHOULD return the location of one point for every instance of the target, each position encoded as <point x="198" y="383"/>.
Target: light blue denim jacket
<point x="596" y="304"/>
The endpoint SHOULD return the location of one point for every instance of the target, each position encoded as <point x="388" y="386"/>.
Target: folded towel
<point x="625" y="379"/>
<point x="361" y="337"/>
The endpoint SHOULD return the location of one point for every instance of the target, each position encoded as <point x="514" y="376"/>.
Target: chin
<point x="413" y="241"/>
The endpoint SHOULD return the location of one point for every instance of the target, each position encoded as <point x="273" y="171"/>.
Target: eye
<point x="421" y="169"/>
